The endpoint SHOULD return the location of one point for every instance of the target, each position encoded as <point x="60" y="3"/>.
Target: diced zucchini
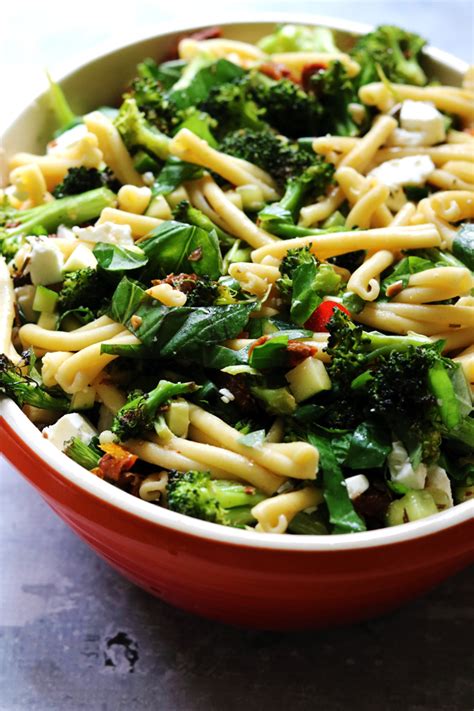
<point x="84" y="399"/>
<point x="177" y="418"/>
<point x="252" y="197"/>
<point x="308" y="378"/>
<point x="48" y="321"/>
<point x="81" y="258"/>
<point x="411" y="507"/>
<point x="159" y="208"/>
<point x="463" y="493"/>
<point x="45" y="299"/>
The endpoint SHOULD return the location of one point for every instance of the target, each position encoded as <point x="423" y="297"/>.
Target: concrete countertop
<point x="75" y="635"/>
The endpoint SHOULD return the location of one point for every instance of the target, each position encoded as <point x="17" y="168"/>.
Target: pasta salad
<point x="246" y="293"/>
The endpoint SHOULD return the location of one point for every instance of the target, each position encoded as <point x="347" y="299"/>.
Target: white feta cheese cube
<point x="356" y="485"/>
<point x="401" y="470"/>
<point x="424" y="117"/>
<point x="46" y="261"/>
<point x="438" y="479"/>
<point x="412" y="170"/>
<point x="68" y="426"/>
<point x="81" y="258"/>
<point x="401" y="137"/>
<point x="106" y="232"/>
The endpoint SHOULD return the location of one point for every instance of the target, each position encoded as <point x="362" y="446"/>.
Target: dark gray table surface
<point x="74" y="635"/>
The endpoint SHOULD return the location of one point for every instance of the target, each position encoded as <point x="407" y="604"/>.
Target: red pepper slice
<point x="321" y="316"/>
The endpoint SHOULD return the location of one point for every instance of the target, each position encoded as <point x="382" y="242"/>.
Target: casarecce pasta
<point x="245" y="294"/>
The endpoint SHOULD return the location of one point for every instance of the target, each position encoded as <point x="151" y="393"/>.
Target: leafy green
<point x="369" y="447"/>
<point x="114" y="258"/>
<point x="463" y="245"/>
<point x="403" y="271"/>
<point x="202" y="82"/>
<point x="173" y="174"/>
<point x="341" y="511"/>
<point x="175" y="247"/>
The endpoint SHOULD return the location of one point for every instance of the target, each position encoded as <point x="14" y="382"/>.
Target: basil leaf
<point x="200" y="123"/>
<point x="166" y="73"/>
<point x="114" y="258"/>
<point x="178" y="247"/>
<point x="463" y="245"/>
<point x="125" y="300"/>
<point x="217" y="73"/>
<point x="341" y="511"/>
<point x="368" y="448"/>
<point x="173" y="173"/>
<point x="311" y="281"/>
<point x="82" y="313"/>
<point x="271" y="354"/>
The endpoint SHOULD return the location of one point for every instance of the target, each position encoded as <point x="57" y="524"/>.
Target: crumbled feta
<point x="107" y="437"/>
<point x="68" y="426"/>
<point x="67" y="139"/>
<point x="64" y="232"/>
<point x="226" y="395"/>
<point x="81" y="258"/>
<point x="24" y="296"/>
<point x="438" y="479"/>
<point x="46" y="261"/>
<point x="105" y="232"/>
<point x="148" y="178"/>
<point x="356" y="485"/>
<point x="402" y="137"/>
<point x="423" y="117"/>
<point x="401" y="470"/>
<point x="412" y="170"/>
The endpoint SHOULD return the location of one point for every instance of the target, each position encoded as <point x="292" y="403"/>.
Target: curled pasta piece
<point x="322" y="209"/>
<point x="454" y="340"/>
<point x="82" y="368"/>
<point x="167" y="295"/>
<point x="33" y="335"/>
<point x="274" y="514"/>
<point x="239" y="224"/>
<point x="425" y="214"/>
<point x="134" y="199"/>
<point x="296" y="61"/>
<point x="189" y="147"/>
<point x="54" y="166"/>
<point x="450" y="99"/>
<point x="439" y="284"/>
<point x="404" y="215"/>
<point x="153" y="487"/>
<point x="299" y="461"/>
<point x="438" y="154"/>
<point x="461" y="169"/>
<point x="254" y="278"/>
<point x="141" y="225"/>
<point x="196" y="198"/>
<point x="7" y="312"/>
<point x="364" y="210"/>
<point x="115" y="153"/>
<point x="337" y="146"/>
<point x="235" y="51"/>
<point x="365" y="281"/>
<point x="51" y="362"/>
<point x="29" y="180"/>
<point x="336" y="243"/>
<point x="424" y="319"/>
<point x="453" y="206"/>
<point x="459" y="137"/>
<point x="228" y="461"/>
<point x="154" y="453"/>
<point x="446" y="180"/>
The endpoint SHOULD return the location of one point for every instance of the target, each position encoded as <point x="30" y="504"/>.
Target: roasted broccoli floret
<point x="140" y="412"/>
<point x="137" y="132"/>
<point x="72" y="210"/>
<point x="275" y="154"/>
<point x="232" y="107"/>
<point x="80" y="180"/>
<point x="199" y="290"/>
<point x="286" y="106"/>
<point x="152" y="101"/>
<point x="26" y="391"/>
<point x="293" y="259"/>
<point x="216" y="500"/>
<point x="341" y="112"/>
<point x="82" y="288"/>
<point x="394" y="51"/>
<point x="313" y="181"/>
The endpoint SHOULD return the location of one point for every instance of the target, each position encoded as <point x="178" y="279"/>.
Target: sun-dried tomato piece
<point x="298" y="352"/>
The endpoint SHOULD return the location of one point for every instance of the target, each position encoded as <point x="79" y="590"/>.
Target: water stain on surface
<point x="121" y="653"/>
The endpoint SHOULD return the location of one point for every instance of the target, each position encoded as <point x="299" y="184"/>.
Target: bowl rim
<point x="120" y="500"/>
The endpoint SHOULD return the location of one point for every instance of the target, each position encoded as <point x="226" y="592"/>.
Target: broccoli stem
<point x="380" y="343"/>
<point x="65" y="116"/>
<point x="71" y="210"/>
<point x="25" y="390"/>
<point x="185" y="212"/>
<point x="82" y="453"/>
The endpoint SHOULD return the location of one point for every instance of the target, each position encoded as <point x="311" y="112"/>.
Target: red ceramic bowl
<point x="266" y="581"/>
